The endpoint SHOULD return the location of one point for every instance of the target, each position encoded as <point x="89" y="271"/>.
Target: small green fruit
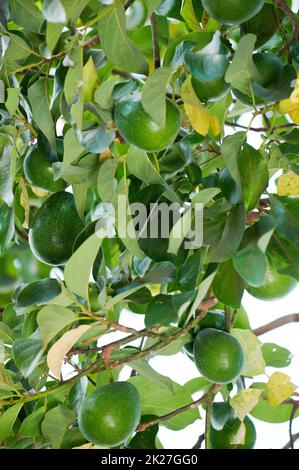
<point x="232" y="11"/>
<point x="218" y="355"/>
<point x="39" y="172"/>
<point x="55" y="228"/>
<point x="109" y="415"/>
<point x="137" y="128"/>
<point x="223" y="439"/>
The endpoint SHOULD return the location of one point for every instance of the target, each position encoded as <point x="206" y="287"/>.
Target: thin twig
<point x="155" y="41"/>
<point x="260" y="129"/>
<point x="292" y="318"/>
<point x="213" y="390"/>
<point x="295" y="437"/>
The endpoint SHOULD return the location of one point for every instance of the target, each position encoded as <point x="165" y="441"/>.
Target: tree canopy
<point x="108" y="108"/>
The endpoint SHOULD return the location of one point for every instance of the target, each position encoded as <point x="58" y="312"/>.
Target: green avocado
<point x="54" y="229"/>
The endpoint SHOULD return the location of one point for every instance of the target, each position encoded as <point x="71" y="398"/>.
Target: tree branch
<point x="100" y="366"/>
<point x="292" y="318"/>
<point x="260" y="129"/>
<point x="294" y="438"/>
<point x="293" y="19"/>
<point x="207" y="397"/>
<point x="155" y="41"/>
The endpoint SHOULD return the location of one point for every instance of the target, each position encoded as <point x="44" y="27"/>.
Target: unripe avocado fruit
<point x="55" y="227"/>
<point x="210" y="90"/>
<point x="218" y="355"/>
<point x="222" y="439"/>
<point x="137" y="128"/>
<point x="263" y="25"/>
<point x="276" y="285"/>
<point x="232" y="11"/>
<point x="213" y="319"/>
<point x="110" y="414"/>
<point x="38" y="172"/>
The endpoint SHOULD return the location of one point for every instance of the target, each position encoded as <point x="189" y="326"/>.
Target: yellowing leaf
<point x="239" y="437"/>
<point x="189" y="16"/>
<point x="254" y="363"/>
<point x="61" y="348"/>
<point x="288" y="185"/>
<point x="245" y="401"/>
<point x="291" y="105"/>
<point x="280" y="388"/>
<point x="201" y="119"/>
<point x="90" y="80"/>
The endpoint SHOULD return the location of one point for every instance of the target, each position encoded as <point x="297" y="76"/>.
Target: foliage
<point x="143" y="102"/>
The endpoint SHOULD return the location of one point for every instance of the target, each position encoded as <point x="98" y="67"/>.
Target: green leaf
<point x="203" y="197"/>
<point x="124" y="221"/>
<point x="27" y="354"/>
<point x="220" y="415"/>
<point x="51" y="320"/>
<point x="154" y="94"/>
<point x="7" y="420"/>
<point x="5" y="333"/>
<point x="188" y="13"/>
<point x="72" y="148"/>
<point x="228" y="286"/>
<point x="103" y="96"/>
<point x="254" y="175"/>
<point x="31" y="426"/>
<point x="73" y="86"/>
<point x="73" y="8"/>
<point x="285" y="211"/>
<point x="269" y="413"/>
<point x="276" y="356"/>
<point x="251" y="264"/>
<point x="241" y="72"/>
<point x="7" y="171"/>
<point x="12" y="100"/>
<point x="209" y="63"/>
<point x="37" y="293"/>
<point x="90" y="80"/>
<point x="53" y="11"/>
<point x="158" y="401"/>
<point x="53" y="34"/>
<point x="78" y="268"/>
<point x="230" y="150"/>
<point x="120" y="50"/>
<point x="231" y="236"/>
<point x="107" y="183"/>
<point x="25" y="13"/>
<point x="165" y="309"/>
<point x="6" y="227"/>
<point x="140" y="166"/>
<point x="55" y="424"/>
<point x="146" y="371"/>
<point x="38" y="95"/>
<point x="96" y="140"/>
<point x="254" y="362"/>
<point x="160" y="273"/>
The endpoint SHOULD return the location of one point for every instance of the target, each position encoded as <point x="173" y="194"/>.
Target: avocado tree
<point x="130" y="182"/>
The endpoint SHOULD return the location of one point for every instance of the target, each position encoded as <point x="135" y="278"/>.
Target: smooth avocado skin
<point x="213" y="319"/>
<point x="39" y="173"/>
<point x="136" y="127"/>
<point x="109" y="415"/>
<point x="232" y="11"/>
<point x="210" y="90"/>
<point x="276" y="286"/>
<point x="54" y="229"/>
<point x="218" y="356"/>
<point x="222" y="439"/>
